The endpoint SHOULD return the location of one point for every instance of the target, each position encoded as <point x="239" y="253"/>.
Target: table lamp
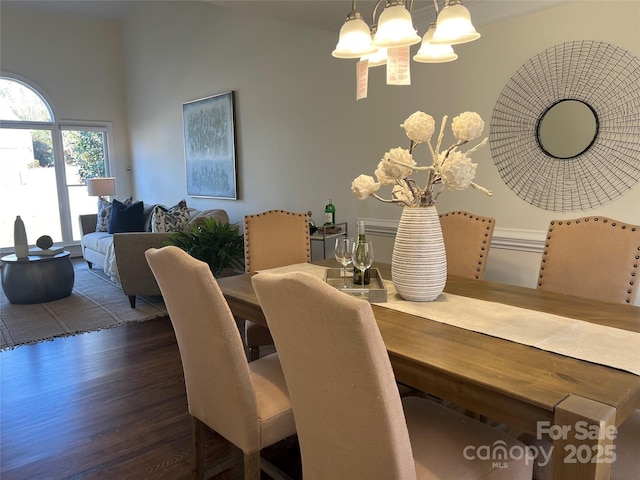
<point x="101" y="187"/>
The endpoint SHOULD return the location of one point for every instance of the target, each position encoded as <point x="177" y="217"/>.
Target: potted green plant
<point x="218" y="244"/>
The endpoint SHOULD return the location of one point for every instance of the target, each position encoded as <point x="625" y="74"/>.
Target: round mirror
<point x="538" y="120"/>
<point x="567" y="129"/>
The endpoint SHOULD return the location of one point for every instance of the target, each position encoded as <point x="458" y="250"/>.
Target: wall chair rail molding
<point x="531" y="241"/>
<point x="565" y="131"/>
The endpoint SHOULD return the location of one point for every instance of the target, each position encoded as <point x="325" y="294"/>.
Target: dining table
<point x="575" y="403"/>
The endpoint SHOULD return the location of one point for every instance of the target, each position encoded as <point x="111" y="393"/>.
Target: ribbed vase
<point x="419" y="261"/>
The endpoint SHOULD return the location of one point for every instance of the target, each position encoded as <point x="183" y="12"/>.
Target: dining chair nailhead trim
<point x="489" y="229"/>
<point x="246" y="229"/>
<point x="604" y="220"/>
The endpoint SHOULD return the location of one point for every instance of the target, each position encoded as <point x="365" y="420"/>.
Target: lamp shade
<point x="101" y="187"/>
<point x="355" y="38"/>
<point x="430" y="53"/>
<point x="395" y="28"/>
<point x="454" y="25"/>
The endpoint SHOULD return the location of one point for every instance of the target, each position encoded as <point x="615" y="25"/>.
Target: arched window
<point x="44" y="165"/>
<point x="20" y="102"/>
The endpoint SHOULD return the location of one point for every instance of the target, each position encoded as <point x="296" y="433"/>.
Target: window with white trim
<point x="44" y="165"/>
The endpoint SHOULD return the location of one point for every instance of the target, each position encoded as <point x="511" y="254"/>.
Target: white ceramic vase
<point x="419" y="261"/>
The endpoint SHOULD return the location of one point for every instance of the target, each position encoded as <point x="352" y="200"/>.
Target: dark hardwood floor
<point x="108" y="404"/>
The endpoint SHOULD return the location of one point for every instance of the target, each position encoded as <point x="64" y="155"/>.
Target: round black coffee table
<point x="37" y="279"/>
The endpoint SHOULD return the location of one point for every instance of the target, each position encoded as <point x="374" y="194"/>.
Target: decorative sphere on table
<point x="44" y="242"/>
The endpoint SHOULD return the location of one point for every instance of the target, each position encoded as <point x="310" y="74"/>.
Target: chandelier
<point x="388" y="41"/>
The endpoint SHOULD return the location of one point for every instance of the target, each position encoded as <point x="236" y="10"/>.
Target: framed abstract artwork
<point x="210" y="147"/>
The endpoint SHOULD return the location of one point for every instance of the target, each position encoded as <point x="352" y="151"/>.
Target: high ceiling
<point x="331" y="14"/>
<point x="324" y="14"/>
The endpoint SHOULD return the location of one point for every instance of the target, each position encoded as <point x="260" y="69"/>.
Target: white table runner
<point x="566" y="336"/>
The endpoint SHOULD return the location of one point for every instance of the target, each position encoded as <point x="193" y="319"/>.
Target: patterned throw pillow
<point x="104" y="213"/>
<point x="175" y="219"/>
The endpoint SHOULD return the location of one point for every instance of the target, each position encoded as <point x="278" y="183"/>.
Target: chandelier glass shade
<point x="432" y="53"/>
<point x="395" y="28"/>
<point x="454" y="25"/>
<point x="377" y="58"/>
<point x="355" y="38"/>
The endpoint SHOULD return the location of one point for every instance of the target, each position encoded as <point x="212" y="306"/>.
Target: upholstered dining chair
<point x="350" y="420"/>
<point x="274" y="238"/>
<point x="247" y="404"/>
<point x="594" y="257"/>
<point x="467" y="238"/>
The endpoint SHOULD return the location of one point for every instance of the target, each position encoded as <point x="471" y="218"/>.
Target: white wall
<point x="302" y="137"/>
<point x="294" y="106"/>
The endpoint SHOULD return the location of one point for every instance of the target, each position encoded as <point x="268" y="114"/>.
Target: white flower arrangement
<point x="450" y="169"/>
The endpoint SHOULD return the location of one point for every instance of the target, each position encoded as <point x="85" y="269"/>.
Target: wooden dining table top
<point x="522" y="386"/>
<point x="504" y="380"/>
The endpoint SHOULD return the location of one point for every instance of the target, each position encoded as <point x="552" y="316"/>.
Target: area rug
<point x="95" y="303"/>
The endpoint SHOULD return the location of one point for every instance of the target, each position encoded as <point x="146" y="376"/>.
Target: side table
<point x="322" y="236"/>
<point x="37" y="279"/>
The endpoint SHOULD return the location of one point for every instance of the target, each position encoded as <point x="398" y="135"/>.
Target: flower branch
<point x="450" y="169"/>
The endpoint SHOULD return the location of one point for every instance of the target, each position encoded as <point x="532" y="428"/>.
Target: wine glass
<point x="362" y="256"/>
<point x="342" y="252"/>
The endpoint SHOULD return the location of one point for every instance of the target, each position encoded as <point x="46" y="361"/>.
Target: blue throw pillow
<point x="126" y="218"/>
<point x="104" y="213"/>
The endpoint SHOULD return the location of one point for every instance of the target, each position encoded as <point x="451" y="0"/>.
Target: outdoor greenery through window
<point x="44" y="166"/>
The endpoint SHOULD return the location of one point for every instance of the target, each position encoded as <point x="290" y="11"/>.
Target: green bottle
<point x="329" y="214"/>
<point x="357" y="274"/>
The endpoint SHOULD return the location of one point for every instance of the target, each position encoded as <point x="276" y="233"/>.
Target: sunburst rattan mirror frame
<point x="604" y="77"/>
